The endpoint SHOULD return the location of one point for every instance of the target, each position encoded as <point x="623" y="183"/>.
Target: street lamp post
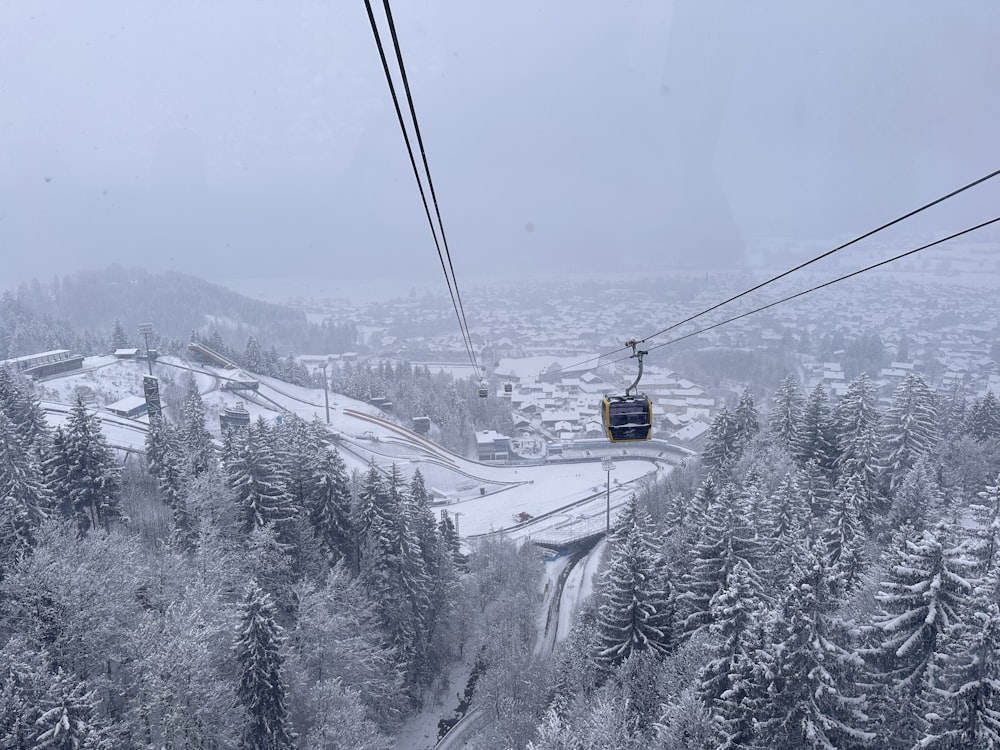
<point x="326" y="389"/>
<point x="146" y="330"/>
<point x="608" y="465"/>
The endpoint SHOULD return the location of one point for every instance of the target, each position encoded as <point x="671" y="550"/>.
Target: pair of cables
<point x="799" y="267"/>
<point x="437" y="230"/>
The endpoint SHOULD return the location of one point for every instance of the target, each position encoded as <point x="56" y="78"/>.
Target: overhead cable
<point x="449" y="277"/>
<point x="799" y="267"/>
<point x="768" y="306"/>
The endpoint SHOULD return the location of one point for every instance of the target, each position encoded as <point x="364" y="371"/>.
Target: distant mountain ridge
<point x="62" y="312"/>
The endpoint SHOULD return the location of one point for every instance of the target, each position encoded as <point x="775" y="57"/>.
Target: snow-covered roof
<point x="127" y="404"/>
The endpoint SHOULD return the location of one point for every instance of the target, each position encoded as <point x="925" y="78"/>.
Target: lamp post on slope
<point x="608" y="465"/>
<point x="146" y="330"/>
<point x="326" y="389"/>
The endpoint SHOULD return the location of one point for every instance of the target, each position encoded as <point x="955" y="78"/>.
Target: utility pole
<point x="146" y="330"/>
<point x="608" y="465"/>
<point x="326" y="389"/>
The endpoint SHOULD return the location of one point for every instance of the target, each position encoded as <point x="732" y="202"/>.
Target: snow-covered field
<point x="484" y="498"/>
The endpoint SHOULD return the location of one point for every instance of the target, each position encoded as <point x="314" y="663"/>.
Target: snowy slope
<point x="485" y="498"/>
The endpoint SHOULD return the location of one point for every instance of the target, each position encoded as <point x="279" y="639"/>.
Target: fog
<point x="236" y="139"/>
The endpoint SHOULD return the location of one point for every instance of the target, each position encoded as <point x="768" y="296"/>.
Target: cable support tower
<point x="860" y="271"/>
<point x="799" y="267"/>
<point x="447" y="267"/>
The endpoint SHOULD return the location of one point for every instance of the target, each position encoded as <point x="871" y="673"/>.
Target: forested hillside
<point x="259" y="598"/>
<point x="826" y="575"/>
<point x="175" y="303"/>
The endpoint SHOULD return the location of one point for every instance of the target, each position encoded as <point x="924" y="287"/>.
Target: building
<point x="45" y="363"/>
<point x="233" y="417"/>
<point x="130" y="406"/>
<point x="492" y="446"/>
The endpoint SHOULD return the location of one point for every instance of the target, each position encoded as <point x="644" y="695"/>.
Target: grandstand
<point x="45" y="363"/>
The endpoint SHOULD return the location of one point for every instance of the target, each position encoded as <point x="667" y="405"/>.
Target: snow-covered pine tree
<point x="970" y="714"/>
<point x="24" y="498"/>
<point x="258" y="482"/>
<point x="18" y="402"/>
<point x="745" y="421"/>
<point x="983" y="420"/>
<point x="253" y="357"/>
<point x="926" y="591"/>
<point x="329" y="507"/>
<point x="814" y="485"/>
<point x="816" y="439"/>
<point x="196" y="439"/>
<point x="84" y="477"/>
<point x="844" y="535"/>
<point x="856" y="421"/>
<point x="725" y="540"/>
<point x="261" y="690"/>
<point x="721" y="444"/>
<point x="909" y="429"/>
<point x="987" y="515"/>
<point x="67" y="714"/>
<point x="813" y="669"/>
<point x="917" y="497"/>
<point x="734" y="610"/>
<point x="633" y="592"/>
<point x="786" y="413"/>
<point x="451" y="541"/>
<point x="119" y="339"/>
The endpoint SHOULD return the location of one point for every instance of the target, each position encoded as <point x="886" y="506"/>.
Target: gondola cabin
<point x="484" y="390"/>
<point x="627" y="419"/>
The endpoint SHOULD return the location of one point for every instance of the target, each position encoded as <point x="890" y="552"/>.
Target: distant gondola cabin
<point x="627" y="418"/>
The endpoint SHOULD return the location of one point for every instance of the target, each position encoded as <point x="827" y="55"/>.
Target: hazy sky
<point x="241" y="138"/>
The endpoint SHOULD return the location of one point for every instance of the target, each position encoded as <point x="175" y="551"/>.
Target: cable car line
<point x="427" y="170"/>
<point x="450" y="279"/>
<point x="799" y="267"/>
<point x="860" y="271"/>
<point x="828" y="253"/>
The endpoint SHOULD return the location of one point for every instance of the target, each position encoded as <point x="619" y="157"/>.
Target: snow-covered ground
<point x="484" y="498"/>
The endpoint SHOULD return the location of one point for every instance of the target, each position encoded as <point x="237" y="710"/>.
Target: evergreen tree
<point x="721" y="444"/>
<point x="917" y="497"/>
<point x="725" y="540"/>
<point x="816" y="439"/>
<point x="987" y="514"/>
<point x="451" y="541"/>
<point x="925" y="593"/>
<point x="983" y="420"/>
<point x="813" y="483"/>
<point x="970" y="717"/>
<point x="258" y="483"/>
<point x="857" y="420"/>
<point x="810" y="705"/>
<point x="81" y="472"/>
<point x="634" y="594"/>
<point x="24" y="498"/>
<point x="909" y="428"/>
<point x="330" y="508"/>
<point x="119" y="339"/>
<point x="734" y="610"/>
<point x="19" y="404"/>
<point x="786" y="414"/>
<point x="746" y="421"/>
<point x="196" y="439"/>
<point x="67" y="717"/>
<point x="261" y="690"/>
<point x="253" y="357"/>
<point x="844" y="535"/>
